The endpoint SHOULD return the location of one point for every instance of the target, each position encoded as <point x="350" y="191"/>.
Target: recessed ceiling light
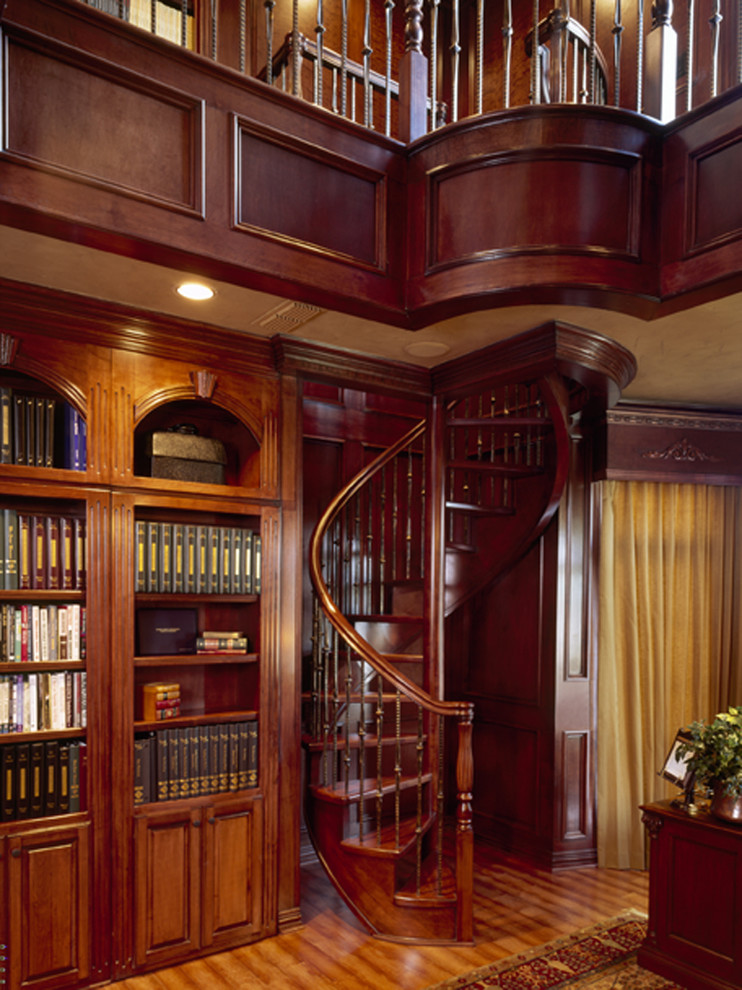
<point x="195" y="290"/>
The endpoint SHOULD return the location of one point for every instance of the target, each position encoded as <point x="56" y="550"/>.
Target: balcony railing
<point x="405" y="70"/>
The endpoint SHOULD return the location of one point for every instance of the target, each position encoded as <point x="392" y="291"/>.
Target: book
<point x="242" y="755"/>
<point x="10" y="543"/>
<point x="179" y="572"/>
<point x="22" y="790"/>
<point x="162" y="766"/>
<point x="74" y="775"/>
<point x="30" y="416"/>
<point x="38" y="551"/>
<point x="140" y="757"/>
<point x="63" y="777"/>
<point x="66" y="553"/>
<point x="252" y="753"/>
<point x="7" y="782"/>
<point x="37" y="780"/>
<point x="24" y="550"/>
<point x="174" y="773"/>
<point x="51" y="770"/>
<point x="6" y="425"/>
<point x="53" y="558"/>
<point x="257" y="563"/>
<point x="166" y="632"/>
<point x="50" y="407"/>
<point x="234" y="756"/>
<point x="165" y="558"/>
<point x="194" y="757"/>
<point x="80" y="547"/>
<point x="19" y="429"/>
<point x="213" y="759"/>
<point x="223" y="781"/>
<point x="140" y="556"/>
<point x="184" y="763"/>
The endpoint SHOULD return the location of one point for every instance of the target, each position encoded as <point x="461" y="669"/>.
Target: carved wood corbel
<point x="204" y="383"/>
<point x="8" y="349"/>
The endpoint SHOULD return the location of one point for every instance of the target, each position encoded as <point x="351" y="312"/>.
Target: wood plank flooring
<point x="515" y="907"/>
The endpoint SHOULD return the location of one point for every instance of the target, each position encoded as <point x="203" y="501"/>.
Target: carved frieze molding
<point x="681" y="450"/>
<point x="673" y="420"/>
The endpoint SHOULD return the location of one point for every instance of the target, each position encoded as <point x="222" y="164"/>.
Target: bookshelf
<point x="119" y="878"/>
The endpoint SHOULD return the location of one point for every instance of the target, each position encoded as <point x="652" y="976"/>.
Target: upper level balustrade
<point x="408" y="69"/>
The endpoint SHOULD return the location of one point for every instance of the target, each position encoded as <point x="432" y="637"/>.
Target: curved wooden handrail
<point x="364" y="649"/>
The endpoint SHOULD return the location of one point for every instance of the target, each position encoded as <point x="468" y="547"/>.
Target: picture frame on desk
<point x="675" y="769"/>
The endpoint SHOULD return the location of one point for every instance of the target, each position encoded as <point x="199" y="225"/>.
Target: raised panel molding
<point x="575" y="749"/>
<point x="161" y="128"/>
<point x="714" y="217"/>
<point x="293" y="191"/>
<point x="512" y="193"/>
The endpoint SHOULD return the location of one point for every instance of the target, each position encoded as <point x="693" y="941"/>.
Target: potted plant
<point x="713" y="753"/>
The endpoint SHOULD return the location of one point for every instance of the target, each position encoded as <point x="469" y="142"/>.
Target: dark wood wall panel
<point x="505" y="805"/>
<point x="644" y="444"/>
<point x="575" y="761"/>
<point x="297" y="191"/>
<point x="600" y="210"/>
<point x="77" y="119"/>
<point x="715" y="171"/>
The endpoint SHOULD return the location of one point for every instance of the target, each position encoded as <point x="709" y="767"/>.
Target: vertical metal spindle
<point x="507" y="44"/>
<point x="335" y="705"/>
<point x="367" y="52"/>
<point x="269" y="5"/>
<point x="362" y="754"/>
<point x="639" y="54"/>
<point x="382" y="548"/>
<point x="213" y="30"/>
<point x="715" y="23"/>
<point x="739" y="42"/>
<point x="455" y="49"/>
<point x="691" y="52"/>
<point x="243" y="38"/>
<point x="434" y="10"/>
<point x="379" y="757"/>
<point x="593" y="56"/>
<point x="420" y="749"/>
<point x="183" y="22"/>
<point x="153" y="16"/>
<point x="564" y="53"/>
<point x="440" y="796"/>
<point x="388" y="11"/>
<point x="395" y="515"/>
<point x="408" y="523"/>
<point x="617" y="32"/>
<point x="397" y="765"/>
<point x="348" y="702"/>
<point x="344" y="58"/>
<point x="479" y="61"/>
<point x="372" y="604"/>
<point x="535" y="58"/>
<point x="295" y="50"/>
<point x="319" y="31"/>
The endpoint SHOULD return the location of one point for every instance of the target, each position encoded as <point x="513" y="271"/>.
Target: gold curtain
<point x="669" y="647"/>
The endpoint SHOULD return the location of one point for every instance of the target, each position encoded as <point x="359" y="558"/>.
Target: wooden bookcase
<point x="127" y="882"/>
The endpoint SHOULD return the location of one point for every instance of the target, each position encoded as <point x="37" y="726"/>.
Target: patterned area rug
<point x="602" y="957"/>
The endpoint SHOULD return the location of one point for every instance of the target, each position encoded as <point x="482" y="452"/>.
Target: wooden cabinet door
<point x="167" y="851"/>
<point x="49" y="908"/>
<point x="231" y="906"/>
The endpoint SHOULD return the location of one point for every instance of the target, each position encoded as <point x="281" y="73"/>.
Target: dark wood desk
<point x="695" y="899"/>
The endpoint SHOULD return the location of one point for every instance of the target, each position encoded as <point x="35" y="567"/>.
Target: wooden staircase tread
<point x="384" y="842"/>
<point x="354" y="741"/>
<point x="500" y="421"/>
<point x="397" y="619"/>
<point x="481" y="510"/>
<point x="507" y="470"/>
<point x="432" y="891"/>
<point x="346" y="795"/>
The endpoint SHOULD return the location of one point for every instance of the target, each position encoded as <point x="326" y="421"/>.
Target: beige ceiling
<point x="693" y="357"/>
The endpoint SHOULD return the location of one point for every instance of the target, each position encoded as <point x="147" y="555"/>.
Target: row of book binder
<point x="189" y="761"/>
<point x="43" y="702"/>
<point x="33" y="633"/>
<point x="41" y="552"/>
<point x="38" y="431"/>
<point x="42" y="778"/>
<point x="183" y="558"/>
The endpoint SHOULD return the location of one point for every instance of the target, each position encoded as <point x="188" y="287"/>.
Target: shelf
<point x="39" y="666"/>
<point x="41" y="735"/>
<point x="205" y="718"/>
<point x="176" y="598"/>
<point x="194" y="660"/>
<point x="24" y="595"/>
<point x="194" y="801"/>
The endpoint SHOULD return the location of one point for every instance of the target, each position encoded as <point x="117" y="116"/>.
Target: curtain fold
<point x="669" y="648"/>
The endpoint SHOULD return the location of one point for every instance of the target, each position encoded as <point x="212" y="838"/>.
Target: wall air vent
<point x="287" y="317"/>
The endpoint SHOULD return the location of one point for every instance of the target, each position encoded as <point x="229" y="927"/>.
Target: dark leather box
<point x="166" y="631"/>
<point x="186" y="457"/>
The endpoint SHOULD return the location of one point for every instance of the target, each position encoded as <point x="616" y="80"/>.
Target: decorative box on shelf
<point x="180" y="454"/>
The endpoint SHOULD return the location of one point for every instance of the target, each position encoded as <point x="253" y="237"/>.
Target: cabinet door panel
<point x="49" y="936"/>
<point x="167" y="886"/>
<point x="233" y="876"/>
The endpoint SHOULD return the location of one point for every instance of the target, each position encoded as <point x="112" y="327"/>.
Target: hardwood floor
<point x="516" y="907"/>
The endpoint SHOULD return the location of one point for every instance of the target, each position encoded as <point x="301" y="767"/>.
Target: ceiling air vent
<point x="287" y="317"/>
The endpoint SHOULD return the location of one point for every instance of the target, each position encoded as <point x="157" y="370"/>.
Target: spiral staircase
<point x="425" y="525"/>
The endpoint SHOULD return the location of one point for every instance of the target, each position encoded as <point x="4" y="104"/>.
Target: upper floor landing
<point x="117" y="139"/>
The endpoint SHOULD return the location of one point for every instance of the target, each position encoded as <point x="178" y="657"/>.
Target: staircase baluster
<point x="344" y="58"/>
<point x="367" y="51"/>
<point x="739" y="42"/>
<point x="479" y="58"/>
<point x="382" y="548"/>
<point x="420" y="749"/>
<point x="379" y="756"/>
<point x="408" y="525"/>
<point x="362" y="753"/>
<point x="213" y="30"/>
<point x="639" y="54"/>
<point x="183" y="23"/>
<point x="319" y="31"/>
<point x="464" y="831"/>
<point x="350" y="654"/>
<point x="593" y="56"/>
<point x="397" y="766"/>
<point x="440" y="806"/>
<point x="433" y="69"/>
<point x="535" y="58"/>
<point x="334" y="77"/>
<point x="269" y="5"/>
<point x="395" y="516"/>
<point x="388" y="12"/>
<point x="335" y="707"/>
<point x="507" y="44"/>
<point x="451" y="481"/>
<point x="356" y="551"/>
<point x="617" y="37"/>
<point x="153" y="16"/>
<point x="715" y="22"/>
<point x="295" y="50"/>
<point x="316" y="714"/>
<point x="564" y="52"/>
<point x="455" y="49"/>
<point x="689" y="63"/>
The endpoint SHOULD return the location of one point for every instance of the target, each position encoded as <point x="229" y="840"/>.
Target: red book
<point x="66" y="542"/>
<point x="38" y="552"/>
<point x="24" y="550"/>
<point x="52" y="552"/>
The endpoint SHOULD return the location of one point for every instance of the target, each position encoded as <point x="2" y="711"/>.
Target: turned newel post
<point x="413" y="75"/>
<point x="464" y="830"/>
<point x="661" y="63"/>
